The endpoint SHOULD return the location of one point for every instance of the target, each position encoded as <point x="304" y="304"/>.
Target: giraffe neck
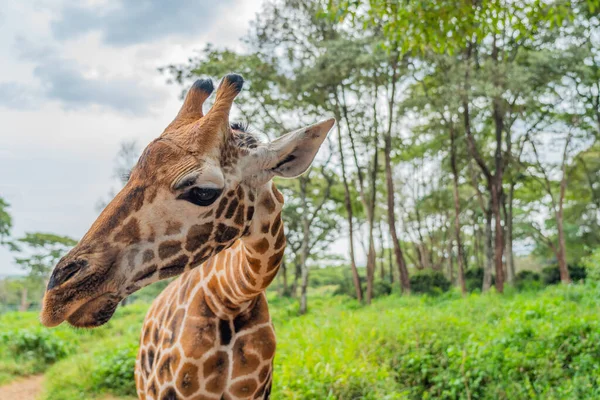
<point x="236" y="276"/>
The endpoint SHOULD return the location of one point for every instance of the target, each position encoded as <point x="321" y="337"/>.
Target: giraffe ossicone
<point x="200" y="203"/>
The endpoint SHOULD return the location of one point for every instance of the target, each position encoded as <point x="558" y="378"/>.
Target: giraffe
<point x="200" y="204"/>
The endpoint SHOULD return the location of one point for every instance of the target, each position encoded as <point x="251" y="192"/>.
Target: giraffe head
<point x="192" y="194"/>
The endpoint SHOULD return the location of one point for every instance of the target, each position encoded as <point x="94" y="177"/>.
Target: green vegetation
<point x="533" y="344"/>
<point x="28" y="348"/>
<point x="467" y="134"/>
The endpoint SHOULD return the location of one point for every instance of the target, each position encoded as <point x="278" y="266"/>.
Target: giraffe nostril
<point x="62" y="274"/>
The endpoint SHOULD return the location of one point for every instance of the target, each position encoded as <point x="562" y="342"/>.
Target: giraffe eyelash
<point x="185" y="183"/>
<point x="240" y="126"/>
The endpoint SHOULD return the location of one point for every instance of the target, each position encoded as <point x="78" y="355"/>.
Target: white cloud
<point x="123" y="23"/>
<point x="66" y="104"/>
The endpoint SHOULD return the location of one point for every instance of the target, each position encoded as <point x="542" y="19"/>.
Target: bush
<point x="432" y="283"/>
<point x="36" y="345"/>
<point x="346" y="288"/>
<point x="577" y="273"/>
<point x="528" y="280"/>
<point x="592" y="266"/>
<point x="474" y="279"/>
<point x="551" y="274"/>
<point x="115" y="372"/>
<point x="381" y="288"/>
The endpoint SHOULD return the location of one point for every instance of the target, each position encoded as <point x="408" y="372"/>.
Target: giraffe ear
<point x="292" y="153"/>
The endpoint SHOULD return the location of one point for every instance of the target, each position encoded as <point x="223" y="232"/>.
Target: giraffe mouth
<point x="95" y="312"/>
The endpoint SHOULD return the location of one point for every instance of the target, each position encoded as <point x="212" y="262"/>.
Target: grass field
<point x="540" y="344"/>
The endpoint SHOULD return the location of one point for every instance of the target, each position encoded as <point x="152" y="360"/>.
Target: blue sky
<point x="77" y="79"/>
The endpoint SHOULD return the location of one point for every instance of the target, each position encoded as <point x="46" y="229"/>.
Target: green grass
<point x="540" y="345"/>
<point x="543" y="345"/>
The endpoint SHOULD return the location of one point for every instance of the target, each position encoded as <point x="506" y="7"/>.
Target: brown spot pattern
<point x="226" y="233"/>
<point x="268" y="203"/>
<point x="217" y="366"/>
<point x="261" y="246"/>
<point x="173" y="227"/>
<point x="130" y="233"/>
<point x="175" y="268"/>
<point x="244" y="388"/>
<point x="278" y="195"/>
<point x="275" y="259"/>
<point x="280" y="242"/>
<point x="169" y="248"/>
<point x="187" y="379"/>
<point x="221" y="207"/>
<point x="145" y="274"/>
<point x="239" y="216"/>
<point x="148" y="256"/>
<point x="265" y="227"/>
<point x="198" y="235"/>
<point x="232" y="208"/>
<point x="276" y="225"/>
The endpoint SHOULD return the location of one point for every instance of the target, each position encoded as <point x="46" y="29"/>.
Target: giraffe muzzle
<point x="95" y="312"/>
<point x="62" y="274"/>
<point x="81" y="291"/>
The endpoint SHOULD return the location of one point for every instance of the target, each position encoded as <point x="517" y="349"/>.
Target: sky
<point x="79" y="78"/>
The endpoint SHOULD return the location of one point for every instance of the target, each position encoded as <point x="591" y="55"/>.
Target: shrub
<point x="577" y="273"/>
<point x="551" y="274"/>
<point x="36" y="345"/>
<point x="115" y="372"/>
<point x="346" y="288"/>
<point x="381" y="288"/>
<point x="592" y="266"/>
<point x="474" y="279"/>
<point x="528" y="280"/>
<point x="432" y="283"/>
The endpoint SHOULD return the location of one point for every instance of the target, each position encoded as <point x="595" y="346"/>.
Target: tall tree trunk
<point x="562" y="248"/>
<point x="391" y="262"/>
<point x="284" y="279"/>
<point x="372" y="254"/>
<point x="304" y="266"/>
<point x="477" y="243"/>
<point x="510" y="259"/>
<point x="304" y="248"/>
<point x="489" y="251"/>
<point x="361" y="186"/>
<point x="461" y="255"/>
<point x="297" y="275"/>
<point x="381" y="252"/>
<point x="349" y="215"/>
<point x="422" y="250"/>
<point x="450" y="259"/>
<point x="24" y="303"/>
<point x="389" y="180"/>
<point x="496" y="181"/>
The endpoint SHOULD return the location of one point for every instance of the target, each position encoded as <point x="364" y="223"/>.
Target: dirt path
<point x="23" y="389"/>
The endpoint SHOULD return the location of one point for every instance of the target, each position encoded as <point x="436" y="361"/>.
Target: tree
<point x="38" y="254"/>
<point x="44" y="250"/>
<point x="311" y="222"/>
<point x="437" y="105"/>
<point x="5" y="222"/>
<point x="556" y="192"/>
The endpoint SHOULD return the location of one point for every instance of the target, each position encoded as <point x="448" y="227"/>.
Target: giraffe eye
<point x="201" y="196"/>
